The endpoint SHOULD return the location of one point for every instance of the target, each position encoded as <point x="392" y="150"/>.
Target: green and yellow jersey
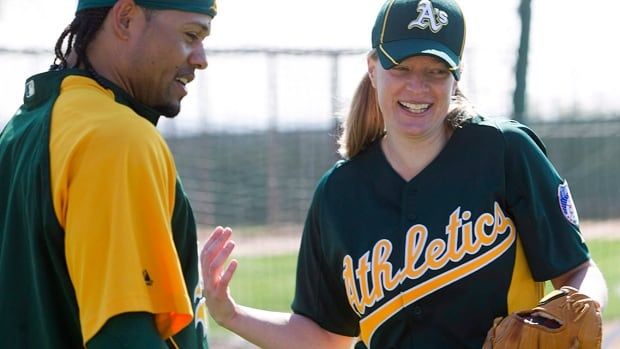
<point x="94" y="221"/>
<point x="430" y="262"/>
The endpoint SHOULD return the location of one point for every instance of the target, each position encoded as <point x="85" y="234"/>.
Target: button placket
<point x="411" y="213"/>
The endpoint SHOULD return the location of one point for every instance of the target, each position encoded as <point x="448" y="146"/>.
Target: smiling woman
<point x="395" y="246"/>
<point x="414" y="97"/>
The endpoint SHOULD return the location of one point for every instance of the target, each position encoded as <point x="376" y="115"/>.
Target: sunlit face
<point x="414" y="96"/>
<point x="164" y="58"/>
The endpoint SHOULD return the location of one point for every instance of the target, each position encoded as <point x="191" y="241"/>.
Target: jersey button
<point x="417" y="312"/>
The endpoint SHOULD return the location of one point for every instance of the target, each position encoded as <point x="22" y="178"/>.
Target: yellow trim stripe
<point x="370" y="324"/>
<point x="387" y="54"/>
<point x="387" y="14"/>
<point x="176" y="346"/>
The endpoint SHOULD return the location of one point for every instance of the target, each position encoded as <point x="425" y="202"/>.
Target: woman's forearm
<point x="276" y="330"/>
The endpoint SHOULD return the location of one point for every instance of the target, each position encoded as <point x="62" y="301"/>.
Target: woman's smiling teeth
<point x="415" y="107"/>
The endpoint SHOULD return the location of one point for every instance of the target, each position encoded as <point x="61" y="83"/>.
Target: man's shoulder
<point x="90" y="107"/>
<point x="87" y="116"/>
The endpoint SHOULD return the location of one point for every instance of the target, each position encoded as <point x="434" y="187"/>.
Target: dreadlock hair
<point x="78" y="35"/>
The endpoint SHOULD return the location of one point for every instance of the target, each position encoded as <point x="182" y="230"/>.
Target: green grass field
<point x="267" y="282"/>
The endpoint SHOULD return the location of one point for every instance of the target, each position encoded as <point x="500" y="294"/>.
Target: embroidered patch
<point x="566" y="203"/>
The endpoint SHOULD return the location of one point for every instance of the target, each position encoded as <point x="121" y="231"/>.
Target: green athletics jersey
<point x="431" y="262"/>
<point x="93" y="220"/>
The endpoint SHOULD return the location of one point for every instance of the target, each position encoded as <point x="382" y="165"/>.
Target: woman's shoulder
<point x="511" y="133"/>
<point x="365" y="159"/>
<point x="351" y="171"/>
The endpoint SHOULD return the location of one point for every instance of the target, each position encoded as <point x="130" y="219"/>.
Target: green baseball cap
<point x="207" y="7"/>
<point x="406" y="28"/>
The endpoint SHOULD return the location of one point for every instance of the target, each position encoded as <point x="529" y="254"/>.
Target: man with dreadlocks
<point x="97" y="238"/>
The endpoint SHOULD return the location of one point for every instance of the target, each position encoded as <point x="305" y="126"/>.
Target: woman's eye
<point x="400" y="68"/>
<point x="440" y="72"/>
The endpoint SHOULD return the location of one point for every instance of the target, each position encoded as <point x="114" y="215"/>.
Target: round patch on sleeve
<point x="566" y="203"/>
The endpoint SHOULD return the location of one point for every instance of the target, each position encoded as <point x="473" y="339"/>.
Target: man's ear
<point x="123" y="15"/>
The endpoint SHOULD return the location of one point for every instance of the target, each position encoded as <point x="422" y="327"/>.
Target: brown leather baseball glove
<point x="564" y="319"/>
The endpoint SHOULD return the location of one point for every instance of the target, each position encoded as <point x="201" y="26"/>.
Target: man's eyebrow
<point x="203" y="29"/>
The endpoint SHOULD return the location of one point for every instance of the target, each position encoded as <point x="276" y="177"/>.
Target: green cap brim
<point x="394" y="52"/>
<point x="207" y="7"/>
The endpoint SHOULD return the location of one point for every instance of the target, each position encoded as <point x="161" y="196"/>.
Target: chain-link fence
<point x="258" y="129"/>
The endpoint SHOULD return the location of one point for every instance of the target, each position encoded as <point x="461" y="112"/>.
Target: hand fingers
<point x="227" y="276"/>
<point x="213" y="257"/>
<point x="216" y="231"/>
<point x="214" y="244"/>
<point x="215" y="266"/>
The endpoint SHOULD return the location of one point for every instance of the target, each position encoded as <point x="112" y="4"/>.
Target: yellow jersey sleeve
<point x="113" y="183"/>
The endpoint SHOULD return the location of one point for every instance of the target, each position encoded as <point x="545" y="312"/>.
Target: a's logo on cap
<point x="429" y="17"/>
